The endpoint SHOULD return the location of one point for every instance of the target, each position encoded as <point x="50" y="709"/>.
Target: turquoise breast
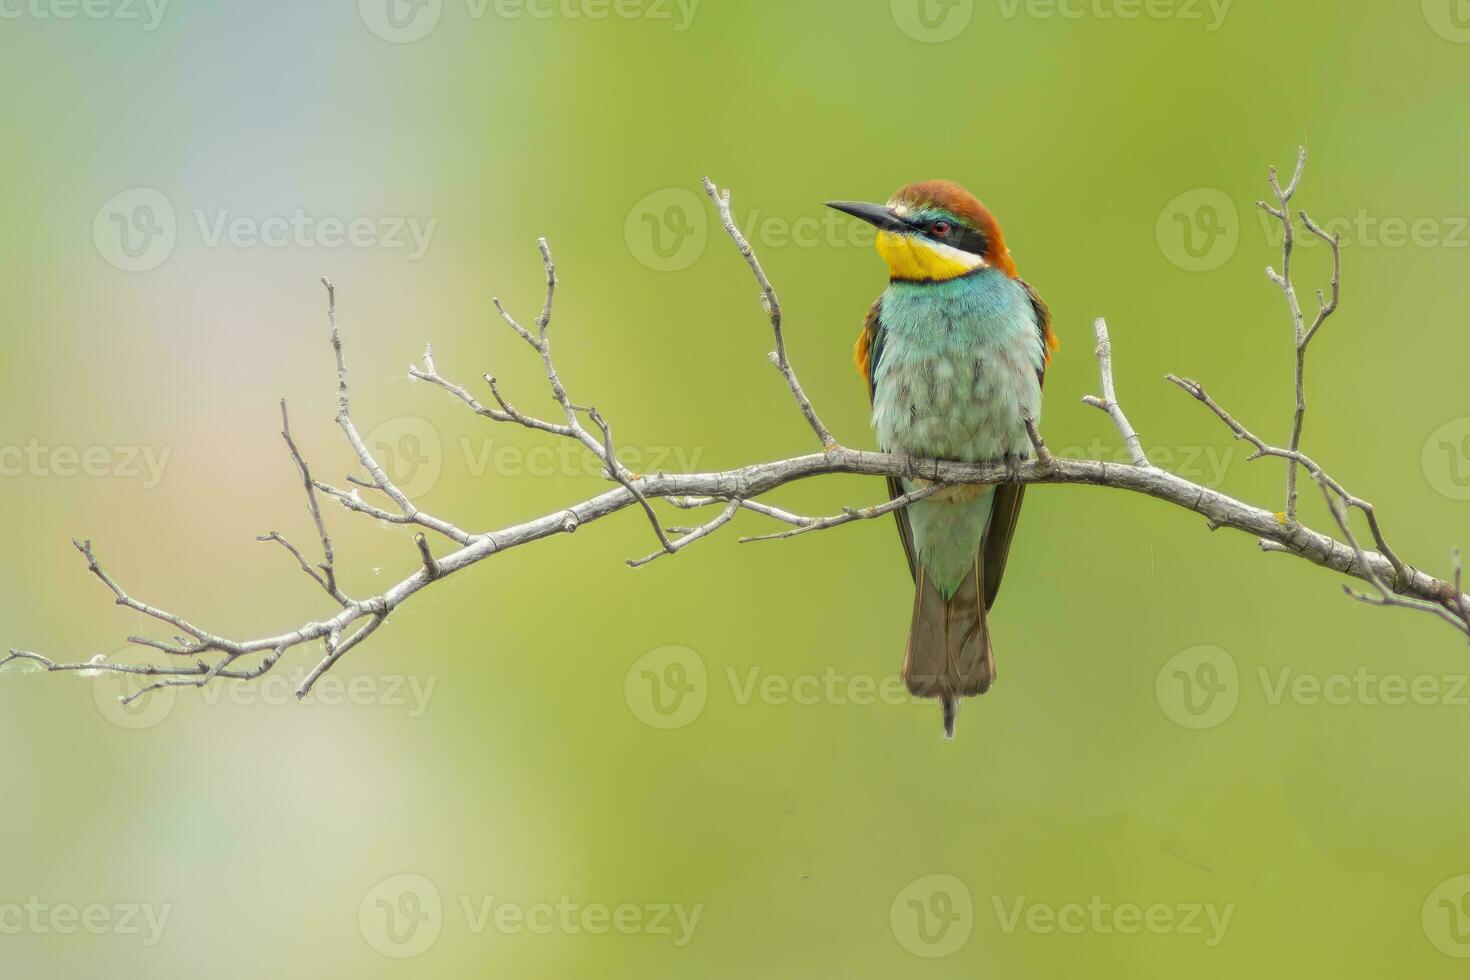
<point x="957" y="375"/>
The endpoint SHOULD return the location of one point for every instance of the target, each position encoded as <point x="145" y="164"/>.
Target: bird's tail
<point x="949" y="654"/>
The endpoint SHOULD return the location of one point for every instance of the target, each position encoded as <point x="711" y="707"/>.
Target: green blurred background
<point x="500" y="741"/>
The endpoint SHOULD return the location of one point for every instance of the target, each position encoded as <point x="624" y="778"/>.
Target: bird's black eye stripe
<point x="966" y="239"/>
<point x="973" y="241"/>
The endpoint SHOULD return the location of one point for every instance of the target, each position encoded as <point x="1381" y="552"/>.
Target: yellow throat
<point x="914" y="258"/>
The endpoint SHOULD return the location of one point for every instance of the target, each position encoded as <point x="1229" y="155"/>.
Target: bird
<point x="954" y="354"/>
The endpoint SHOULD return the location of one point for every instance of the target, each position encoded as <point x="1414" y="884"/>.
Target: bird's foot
<point x="1012" y="463"/>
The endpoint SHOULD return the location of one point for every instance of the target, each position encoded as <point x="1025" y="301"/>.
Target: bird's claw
<point x="1013" y="467"/>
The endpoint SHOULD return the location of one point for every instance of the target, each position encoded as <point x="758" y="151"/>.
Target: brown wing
<point x="1006" y="512"/>
<point x="868" y="350"/>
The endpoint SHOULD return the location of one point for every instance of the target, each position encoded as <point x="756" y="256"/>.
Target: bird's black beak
<point x="879" y="216"/>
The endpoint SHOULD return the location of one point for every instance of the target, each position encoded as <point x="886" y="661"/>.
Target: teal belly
<point x="956" y="379"/>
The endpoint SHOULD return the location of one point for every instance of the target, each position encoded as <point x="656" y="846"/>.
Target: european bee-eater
<point x="954" y="354"/>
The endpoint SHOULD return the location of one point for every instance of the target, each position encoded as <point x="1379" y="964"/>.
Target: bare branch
<point x="431" y="565"/>
<point x="328" y="577"/>
<point x="300" y="558"/>
<point x="851" y="514"/>
<point x="1325" y="306"/>
<point x="337" y="651"/>
<point x="1301" y="332"/>
<point x="616" y="471"/>
<point x="209" y="640"/>
<point x="773" y="310"/>
<point x="690" y="536"/>
<point x="1043" y="455"/>
<point x="1386" y="596"/>
<point x="380" y="480"/>
<point x="1109" y="400"/>
<point x="1294" y="457"/>
<point x="1393" y="581"/>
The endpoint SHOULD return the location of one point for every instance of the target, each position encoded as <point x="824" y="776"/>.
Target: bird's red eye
<point x="940" y="228"/>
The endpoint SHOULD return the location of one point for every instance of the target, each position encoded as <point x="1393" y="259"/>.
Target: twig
<point x="328" y="577"/>
<point x="431" y="565"/>
<point x="772" y="307"/>
<point x="851" y="514"/>
<point x="616" y="471"/>
<point x="1386" y="596"/>
<point x="1295" y="457"/>
<point x="1301" y="333"/>
<point x="1043" y="455"/>
<point x="1109" y="400"/>
<point x="689" y="537"/>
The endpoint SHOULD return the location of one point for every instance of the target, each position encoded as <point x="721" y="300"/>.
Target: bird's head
<point x="934" y="231"/>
